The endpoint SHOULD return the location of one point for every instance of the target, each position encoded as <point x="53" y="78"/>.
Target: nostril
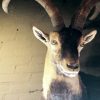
<point x="73" y="66"/>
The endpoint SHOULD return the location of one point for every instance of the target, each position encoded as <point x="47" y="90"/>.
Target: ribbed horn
<point x="54" y="14"/>
<point x="80" y="16"/>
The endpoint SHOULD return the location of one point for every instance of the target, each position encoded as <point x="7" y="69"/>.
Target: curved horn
<point x="80" y="16"/>
<point x="50" y="8"/>
<point x="96" y="12"/>
<point x="5" y="4"/>
<point x="54" y="14"/>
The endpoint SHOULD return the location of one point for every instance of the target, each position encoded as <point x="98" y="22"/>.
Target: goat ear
<point x="40" y="35"/>
<point x="89" y="37"/>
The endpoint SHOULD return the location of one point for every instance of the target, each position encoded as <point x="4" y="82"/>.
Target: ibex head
<point x="64" y="43"/>
<point x="65" y="47"/>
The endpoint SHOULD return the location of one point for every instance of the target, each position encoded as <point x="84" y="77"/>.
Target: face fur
<point x="65" y="48"/>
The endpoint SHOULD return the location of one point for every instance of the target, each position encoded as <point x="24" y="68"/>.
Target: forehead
<point x="58" y="36"/>
<point x="66" y="35"/>
<point x="61" y="37"/>
<point x="55" y="36"/>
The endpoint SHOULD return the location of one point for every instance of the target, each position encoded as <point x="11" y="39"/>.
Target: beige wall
<point x="21" y="54"/>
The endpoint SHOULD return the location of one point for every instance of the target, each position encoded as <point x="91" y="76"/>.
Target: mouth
<point x="67" y="73"/>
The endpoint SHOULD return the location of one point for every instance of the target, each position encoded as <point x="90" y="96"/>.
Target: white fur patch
<point x="67" y="73"/>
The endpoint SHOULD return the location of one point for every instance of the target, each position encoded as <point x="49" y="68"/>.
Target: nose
<point x="73" y="65"/>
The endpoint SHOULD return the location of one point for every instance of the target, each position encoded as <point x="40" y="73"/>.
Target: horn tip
<point x="5" y="6"/>
<point x="5" y="9"/>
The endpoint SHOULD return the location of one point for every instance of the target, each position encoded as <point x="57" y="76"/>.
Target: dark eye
<point x="54" y="42"/>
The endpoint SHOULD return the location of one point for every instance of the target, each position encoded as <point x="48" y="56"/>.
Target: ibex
<point x="64" y="44"/>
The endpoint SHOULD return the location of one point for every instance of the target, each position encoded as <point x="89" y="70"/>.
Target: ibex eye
<point x="54" y="42"/>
